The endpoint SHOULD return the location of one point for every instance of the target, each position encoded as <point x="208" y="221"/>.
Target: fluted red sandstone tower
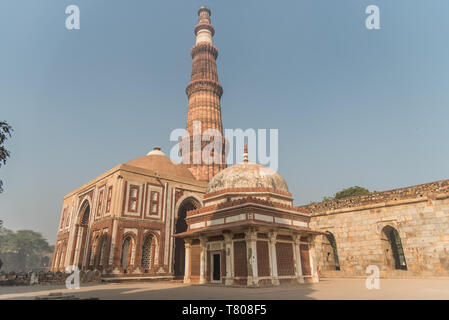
<point x="204" y="93"/>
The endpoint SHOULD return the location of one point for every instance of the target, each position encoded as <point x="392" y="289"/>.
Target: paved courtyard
<point x="326" y="289"/>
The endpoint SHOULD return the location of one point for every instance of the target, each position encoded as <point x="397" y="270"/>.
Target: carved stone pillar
<point x="313" y="262"/>
<point x="273" y="260"/>
<point x="203" y="255"/>
<point x="188" y="246"/>
<point x="229" y="259"/>
<point x="251" y="249"/>
<point x="297" y="253"/>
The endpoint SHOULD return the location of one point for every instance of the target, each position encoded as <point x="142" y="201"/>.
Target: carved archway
<point x="127" y="252"/>
<point x="186" y="204"/>
<point x="82" y="232"/>
<point x="102" y="253"/>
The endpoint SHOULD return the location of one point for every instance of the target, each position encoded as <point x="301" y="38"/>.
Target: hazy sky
<point x="353" y="106"/>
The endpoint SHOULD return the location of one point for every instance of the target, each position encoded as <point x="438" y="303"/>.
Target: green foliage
<point x="346" y="193"/>
<point x="5" y="133"/>
<point x="351" y="192"/>
<point x="23" y="250"/>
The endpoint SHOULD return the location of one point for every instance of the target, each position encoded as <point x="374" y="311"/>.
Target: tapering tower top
<point x="204" y="110"/>
<point x="204" y="31"/>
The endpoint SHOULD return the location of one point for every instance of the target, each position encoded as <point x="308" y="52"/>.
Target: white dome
<point x="156" y="152"/>
<point x="247" y="175"/>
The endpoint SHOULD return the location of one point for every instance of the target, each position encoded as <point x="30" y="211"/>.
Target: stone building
<point x="151" y="218"/>
<point x="121" y="222"/>
<point x="404" y="232"/>
<point x="248" y="232"/>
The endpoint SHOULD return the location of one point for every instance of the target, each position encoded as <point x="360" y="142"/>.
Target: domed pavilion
<point x="248" y="232"/>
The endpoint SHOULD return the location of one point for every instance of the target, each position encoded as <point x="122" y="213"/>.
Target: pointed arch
<point x="127" y="250"/>
<point x="81" y="233"/>
<point x="84" y="212"/>
<point x="395" y="255"/>
<point x="186" y="203"/>
<point x="103" y="248"/>
<point x="147" y="252"/>
<point x="333" y="243"/>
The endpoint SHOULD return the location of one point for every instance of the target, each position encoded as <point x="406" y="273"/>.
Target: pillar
<point x="251" y="249"/>
<point x="297" y="253"/>
<point x="273" y="260"/>
<point x="203" y="257"/>
<point x="313" y="262"/>
<point x="188" y="246"/>
<point x="229" y="259"/>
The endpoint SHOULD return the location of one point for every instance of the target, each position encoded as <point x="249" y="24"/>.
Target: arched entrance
<point x="394" y="252"/>
<point x="126" y="253"/>
<point x="83" y="229"/>
<point x="181" y="226"/>
<point x="333" y="244"/>
<point x="101" y="256"/>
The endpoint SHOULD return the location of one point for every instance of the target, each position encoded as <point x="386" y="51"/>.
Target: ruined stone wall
<point x="420" y="215"/>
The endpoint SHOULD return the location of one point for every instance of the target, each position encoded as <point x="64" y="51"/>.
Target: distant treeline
<point x="23" y="250"/>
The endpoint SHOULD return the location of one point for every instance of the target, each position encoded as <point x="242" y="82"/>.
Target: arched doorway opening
<point x="394" y="252"/>
<point x="83" y="232"/>
<point x="101" y="257"/>
<point x="333" y="252"/>
<point x="126" y="253"/>
<point x="181" y="226"/>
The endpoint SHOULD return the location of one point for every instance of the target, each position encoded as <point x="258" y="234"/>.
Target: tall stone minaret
<point x="204" y="93"/>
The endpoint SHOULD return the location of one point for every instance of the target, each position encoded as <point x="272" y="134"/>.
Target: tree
<point x="351" y="192"/>
<point x="5" y="133"/>
<point x="346" y="193"/>
<point x="23" y="250"/>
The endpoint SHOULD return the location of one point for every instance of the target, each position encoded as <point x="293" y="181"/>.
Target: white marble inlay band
<point x="282" y="220"/>
<point x="215" y="222"/>
<point x="263" y="217"/>
<point x="197" y="225"/>
<point x="238" y="217"/>
<point x="300" y="223"/>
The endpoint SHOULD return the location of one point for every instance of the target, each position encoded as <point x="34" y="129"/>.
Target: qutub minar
<point x="150" y="218"/>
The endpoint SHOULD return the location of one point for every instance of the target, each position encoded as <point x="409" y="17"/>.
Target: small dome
<point x="156" y="151"/>
<point x="247" y="175"/>
<point x="156" y="161"/>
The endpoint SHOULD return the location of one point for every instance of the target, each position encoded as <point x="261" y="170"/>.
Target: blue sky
<point x="353" y="106"/>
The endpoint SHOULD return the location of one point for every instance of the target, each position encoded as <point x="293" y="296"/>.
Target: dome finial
<point x="245" y="154"/>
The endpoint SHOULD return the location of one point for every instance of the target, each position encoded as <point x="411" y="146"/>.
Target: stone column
<point x="297" y="253"/>
<point x="313" y="262"/>
<point x="203" y="256"/>
<point x="188" y="245"/>
<point x="251" y="249"/>
<point x="229" y="259"/>
<point x="273" y="260"/>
